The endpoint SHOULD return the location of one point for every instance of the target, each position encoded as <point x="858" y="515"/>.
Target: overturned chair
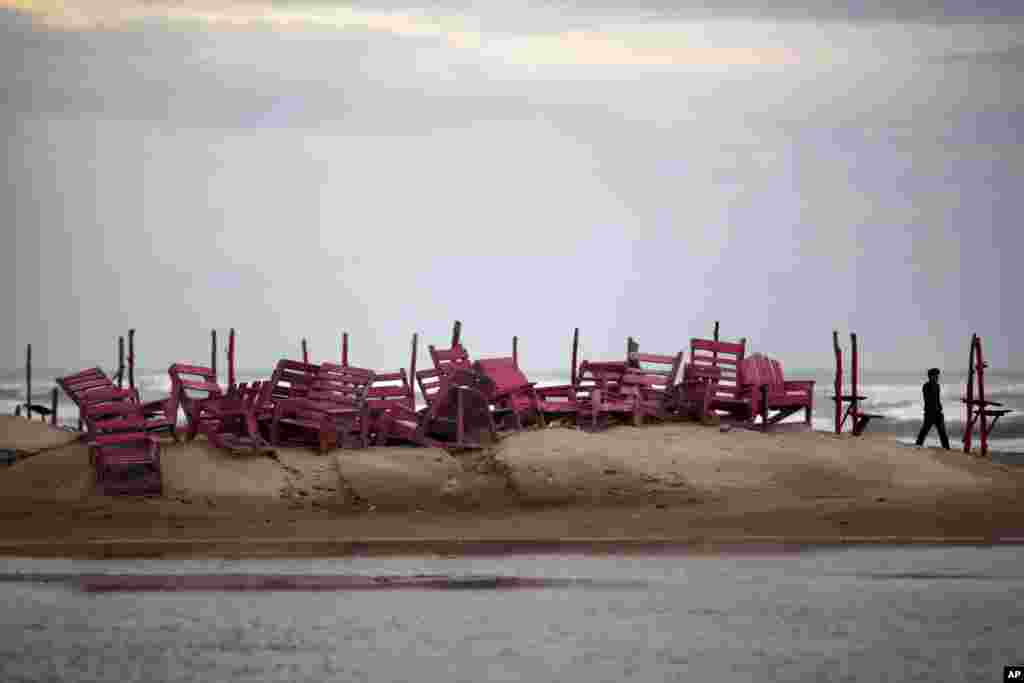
<point x="126" y="458"/>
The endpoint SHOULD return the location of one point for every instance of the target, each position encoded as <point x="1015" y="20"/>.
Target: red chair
<point x="127" y="464"/>
<point x="125" y="457"/>
<point x="769" y="390"/>
<point x="88" y="386"/>
<point x="333" y="410"/>
<point x="511" y="392"/>
<point x="651" y="379"/>
<point x="715" y="367"/>
<point x="449" y="360"/>
<point x="458" y="412"/>
<point x="600" y="394"/>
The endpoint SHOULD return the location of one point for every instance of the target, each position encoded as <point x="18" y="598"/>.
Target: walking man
<point x="933" y="410"/>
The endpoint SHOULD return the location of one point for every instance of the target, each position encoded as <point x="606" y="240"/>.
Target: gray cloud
<point x="300" y="184"/>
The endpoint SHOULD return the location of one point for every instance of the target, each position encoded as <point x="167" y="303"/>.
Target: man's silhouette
<point x="933" y="410"/>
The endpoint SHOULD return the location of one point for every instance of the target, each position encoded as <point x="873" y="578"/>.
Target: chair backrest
<point x="448" y="360"/>
<point x="292" y="379"/>
<point x="191" y="382"/>
<point x="652" y="385"/>
<point x="726" y="357"/>
<point x="759" y="370"/>
<point x="340" y="385"/>
<point x="430" y="383"/>
<point x="604" y="375"/>
<point x="504" y="372"/>
<point x="194" y="378"/>
<point x="76" y="385"/>
<point x="115" y="415"/>
<point x="667" y="367"/>
<point x="389" y="388"/>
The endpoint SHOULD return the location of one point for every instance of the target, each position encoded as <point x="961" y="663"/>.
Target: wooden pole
<point x="456" y="333"/>
<point x="120" y="362"/>
<point x="854" y="373"/>
<point x="632" y="346"/>
<point x="344" y="349"/>
<point x="575" y="351"/>
<point x="213" y="353"/>
<point x="28" y="382"/>
<point x="231" y="359"/>
<point x="714" y="354"/>
<point x="305" y="352"/>
<point x="53" y="407"/>
<point x="969" y="399"/>
<point x="839" y="380"/>
<point x="412" y="371"/>
<point x="515" y="351"/>
<point x="131" y="359"/>
<point x="982" y="407"/>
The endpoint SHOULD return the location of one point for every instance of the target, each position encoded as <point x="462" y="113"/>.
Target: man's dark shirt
<point x="932" y="404"/>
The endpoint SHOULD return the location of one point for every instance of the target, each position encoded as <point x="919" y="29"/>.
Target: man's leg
<point x="940" y="424"/>
<point x="924" y="429"/>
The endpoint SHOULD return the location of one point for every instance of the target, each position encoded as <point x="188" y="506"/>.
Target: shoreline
<point x="291" y="548"/>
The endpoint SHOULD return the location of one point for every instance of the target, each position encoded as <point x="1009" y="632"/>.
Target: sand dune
<point x="552" y="483"/>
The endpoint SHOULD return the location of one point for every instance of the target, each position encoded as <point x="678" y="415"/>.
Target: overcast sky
<point x="301" y="168"/>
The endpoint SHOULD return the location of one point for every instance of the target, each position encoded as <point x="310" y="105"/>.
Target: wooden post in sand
<point x="120" y="362"/>
<point x="213" y="353"/>
<point x="839" y="381"/>
<point x="28" y="382"/>
<point x="575" y="353"/>
<point x="515" y="351"/>
<point x="231" y="359"/>
<point x="632" y="346"/>
<point x="344" y="349"/>
<point x="854" y="369"/>
<point x="305" y="351"/>
<point x="982" y="404"/>
<point x="53" y="407"/>
<point x="714" y="353"/>
<point x="131" y="359"/>
<point x="456" y="333"/>
<point x="412" y="371"/>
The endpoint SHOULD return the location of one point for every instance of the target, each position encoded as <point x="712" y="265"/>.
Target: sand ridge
<point x="660" y="479"/>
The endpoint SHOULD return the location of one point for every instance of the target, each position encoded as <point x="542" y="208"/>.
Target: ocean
<point x="858" y="614"/>
<point x="895" y="395"/>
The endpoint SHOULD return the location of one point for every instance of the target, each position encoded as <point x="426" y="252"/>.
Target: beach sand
<point x="682" y="484"/>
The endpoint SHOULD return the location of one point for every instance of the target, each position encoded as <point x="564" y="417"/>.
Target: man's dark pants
<point x="939" y="423"/>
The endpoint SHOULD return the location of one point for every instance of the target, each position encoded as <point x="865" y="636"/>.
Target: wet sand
<point x="669" y="487"/>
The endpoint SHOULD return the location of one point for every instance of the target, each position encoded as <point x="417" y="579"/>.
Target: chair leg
<point x="382" y="426"/>
<point x="459" y="411"/>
